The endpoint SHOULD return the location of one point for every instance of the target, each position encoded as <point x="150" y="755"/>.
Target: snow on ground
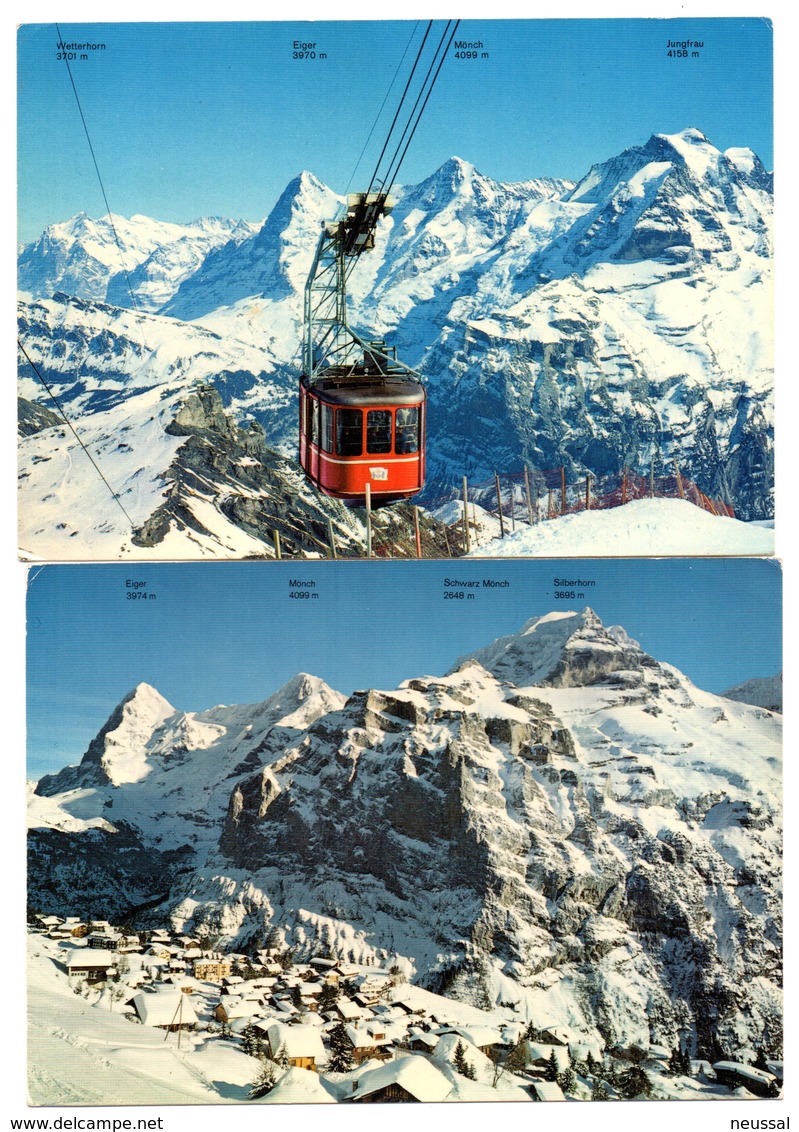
<point x="642" y="527"/>
<point x="81" y="1054"/>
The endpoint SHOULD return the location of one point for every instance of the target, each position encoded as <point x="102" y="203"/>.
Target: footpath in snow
<point x="642" y="527"/>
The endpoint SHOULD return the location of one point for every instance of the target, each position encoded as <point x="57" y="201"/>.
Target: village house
<point x="212" y="967"/>
<point x="167" y="1010"/>
<point x="90" y="964"/>
<point x="735" y="1074"/>
<point x="301" y="1045"/>
<point x="410" y="1078"/>
<point x="366" y="1045"/>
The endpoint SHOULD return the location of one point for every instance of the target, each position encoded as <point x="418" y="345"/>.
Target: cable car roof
<point x="366" y="389"/>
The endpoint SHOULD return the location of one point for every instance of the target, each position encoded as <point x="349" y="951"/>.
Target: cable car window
<point x="327" y="428"/>
<point x="313" y="431"/>
<point x="407" y="430"/>
<point x="378" y="430"/>
<point x="349" y="432"/>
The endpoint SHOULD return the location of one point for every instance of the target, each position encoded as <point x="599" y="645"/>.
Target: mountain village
<point x="366" y="1034"/>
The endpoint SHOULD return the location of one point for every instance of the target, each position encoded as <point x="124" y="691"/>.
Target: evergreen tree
<point x="567" y="1080"/>
<point x="675" y="1065"/>
<point x="516" y="1059"/>
<point x="341" y="1059"/>
<point x="634" y="1082"/>
<point x="296" y="997"/>
<point x="685" y="1063"/>
<point x="264" y="1082"/>
<point x="282" y="1058"/>
<point x="591" y="1067"/>
<point x="328" y="998"/>
<point x="248" y="1039"/>
<point x="551" y="1071"/>
<point x="599" y="1091"/>
<point x="461" y="1064"/>
<point x="760" y="1060"/>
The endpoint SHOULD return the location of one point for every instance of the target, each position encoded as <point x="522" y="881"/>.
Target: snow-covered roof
<point x="747" y="1071"/>
<point x="413" y="1073"/>
<point x="164" y="1008"/>
<point x="548" y="1090"/>
<point x="298" y="1041"/>
<point x="91" y="957"/>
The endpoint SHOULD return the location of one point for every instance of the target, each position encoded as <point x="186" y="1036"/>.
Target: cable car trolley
<point x="362" y="412"/>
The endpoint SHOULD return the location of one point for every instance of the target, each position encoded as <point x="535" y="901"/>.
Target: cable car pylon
<point x="362" y="410"/>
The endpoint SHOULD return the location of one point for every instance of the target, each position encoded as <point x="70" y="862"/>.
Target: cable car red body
<point x="358" y="427"/>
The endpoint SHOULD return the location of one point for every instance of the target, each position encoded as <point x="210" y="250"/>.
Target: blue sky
<point x="195" y="119"/>
<point x="229" y="633"/>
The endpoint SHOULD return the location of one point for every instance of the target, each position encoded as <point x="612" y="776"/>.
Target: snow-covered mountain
<point x="136" y="262"/>
<point x="762" y="691"/>
<point x="620" y="321"/>
<point x="561" y="821"/>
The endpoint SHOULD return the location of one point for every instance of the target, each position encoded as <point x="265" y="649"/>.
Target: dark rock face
<point x="32" y="417"/>
<point x="97" y="873"/>
<point x="262" y="493"/>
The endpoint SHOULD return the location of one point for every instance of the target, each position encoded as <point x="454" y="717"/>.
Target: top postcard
<point x="396" y="289"/>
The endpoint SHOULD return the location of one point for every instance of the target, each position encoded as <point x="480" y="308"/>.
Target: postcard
<point x="397" y="289"/>
<point x="439" y="832"/>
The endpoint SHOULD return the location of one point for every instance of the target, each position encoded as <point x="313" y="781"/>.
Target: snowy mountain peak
<point x="302" y="700"/>
<point x="562" y="649"/>
<point x="117" y="754"/>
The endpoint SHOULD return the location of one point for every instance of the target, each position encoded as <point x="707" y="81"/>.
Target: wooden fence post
<point x="331" y="537"/>
<point x="417" y="532"/>
<point x="368" y="521"/>
<point x="499" y="506"/>
<point x="276" y="537"/>
<point x="527" y="495"/>
<point x="679" y="480"/>
<point x="588" y="491"/>
<point x="562" y="490"/>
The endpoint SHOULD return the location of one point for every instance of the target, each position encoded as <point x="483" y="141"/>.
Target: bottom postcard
<point x="384" y="831"/>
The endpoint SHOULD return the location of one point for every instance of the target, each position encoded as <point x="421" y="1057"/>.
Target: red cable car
<point x="362" y="428"/>
<point x="362" y="412"/>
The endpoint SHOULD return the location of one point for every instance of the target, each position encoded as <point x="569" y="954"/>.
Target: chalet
<point x="167" y="1010"/>
<point x="407" y="1079"/>
<point x="546" y="1091"/>
<point x="90" y="964"/>
<point x="735" y="1074"/>
<point x="420" y="1041"/>
<point x="366" y="1046"/>
<point x="108" y="941"/>
<point x="537" y="1057"/>
<point x="347" y="1010"/>
<point x="300" y="1045"/>
<point x="485" y="1038"/>
<point x="234" y="1009"/>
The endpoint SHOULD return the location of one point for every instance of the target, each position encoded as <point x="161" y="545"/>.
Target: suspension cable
<point x="424" y="104"/>
<point x="382" y="106"/>
<point x="399" y="108"/>
<point x="71" y="428"/>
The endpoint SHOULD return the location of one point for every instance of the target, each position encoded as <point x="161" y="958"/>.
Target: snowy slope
<point x="641" y="527"/>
